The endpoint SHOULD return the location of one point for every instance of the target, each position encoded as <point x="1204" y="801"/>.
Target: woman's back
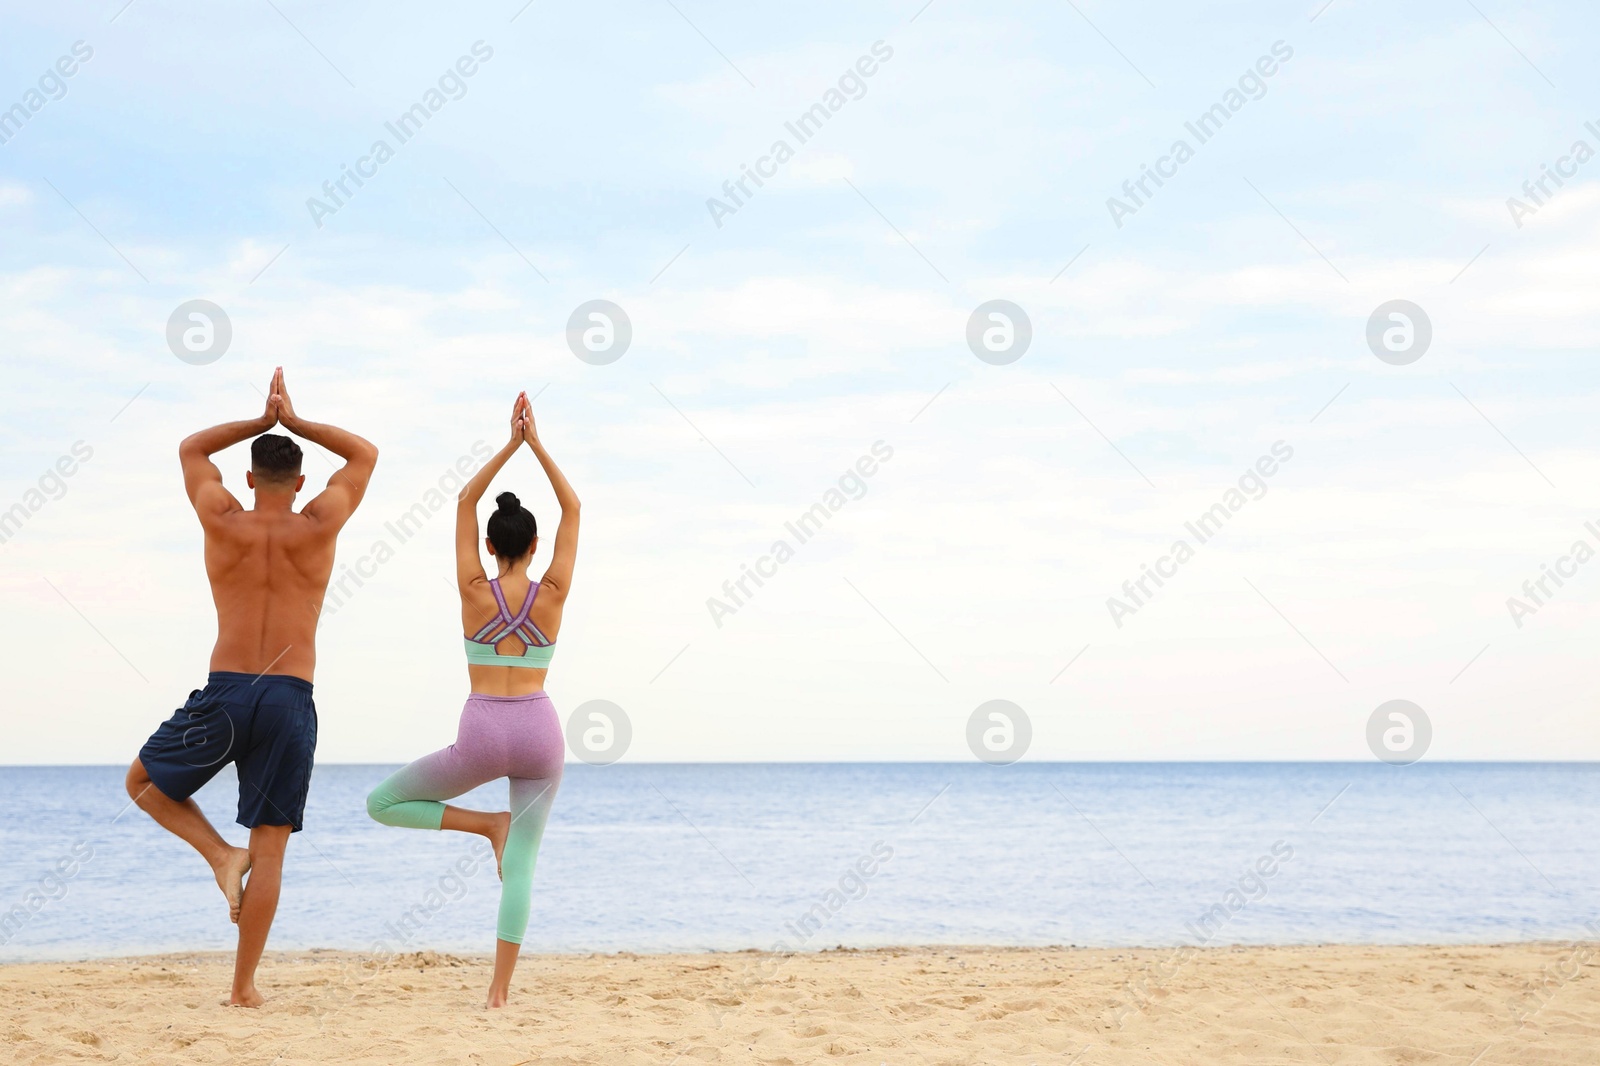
<point x="509" y="640"/>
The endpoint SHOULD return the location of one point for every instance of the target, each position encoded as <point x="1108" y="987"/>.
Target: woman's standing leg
<point x="531" y="798"/>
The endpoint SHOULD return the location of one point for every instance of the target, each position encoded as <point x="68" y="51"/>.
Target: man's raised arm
<point x="336" y="503"/>
<point x="201" y="478"/>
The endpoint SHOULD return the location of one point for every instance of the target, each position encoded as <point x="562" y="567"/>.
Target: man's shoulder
<point x="308" y="528"/>
<point x="250" y="522"/>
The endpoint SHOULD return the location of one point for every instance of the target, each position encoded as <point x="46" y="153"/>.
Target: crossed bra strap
<point x="505" y="624"/>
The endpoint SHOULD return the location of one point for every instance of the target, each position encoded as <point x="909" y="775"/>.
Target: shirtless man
<point x="268" y="568"/>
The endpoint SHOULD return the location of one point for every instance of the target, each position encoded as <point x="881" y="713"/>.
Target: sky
<point x="1181" y="334"/>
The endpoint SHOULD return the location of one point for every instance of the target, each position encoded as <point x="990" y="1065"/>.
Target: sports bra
<point x="539" y="649"/>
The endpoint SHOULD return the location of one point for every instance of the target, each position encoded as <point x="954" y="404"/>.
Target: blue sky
<point x="773" y="351"/>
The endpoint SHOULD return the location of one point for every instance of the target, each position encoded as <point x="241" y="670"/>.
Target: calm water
<point x="692" y="857"/>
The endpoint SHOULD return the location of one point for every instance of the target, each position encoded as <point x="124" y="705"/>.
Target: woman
<point x="509" y="727"/>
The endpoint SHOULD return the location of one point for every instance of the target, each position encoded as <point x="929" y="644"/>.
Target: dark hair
<point x="511" y="527"/>
<point x="275" y="458"/>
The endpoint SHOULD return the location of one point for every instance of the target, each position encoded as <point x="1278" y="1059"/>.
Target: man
<point x="268" y="568"/>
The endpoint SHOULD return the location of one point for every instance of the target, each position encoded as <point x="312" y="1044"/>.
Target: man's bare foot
<point x="247" y="997"/>
<point x="497" y="998"/>
<point x="230" y="878"/>
<point x="502" y="827"/>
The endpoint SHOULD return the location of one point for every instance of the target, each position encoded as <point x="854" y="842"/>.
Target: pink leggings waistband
<point x="486" y="698"/>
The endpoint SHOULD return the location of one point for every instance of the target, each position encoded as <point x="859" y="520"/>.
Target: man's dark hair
<point x="511" y="527"/>
<point x="275" y="459"/>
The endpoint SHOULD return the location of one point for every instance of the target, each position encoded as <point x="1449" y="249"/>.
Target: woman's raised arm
<point x="469" y="560"/>
<point x="558" y="576"/>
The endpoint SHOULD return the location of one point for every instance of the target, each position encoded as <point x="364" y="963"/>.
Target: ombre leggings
<point x="516" y="737"/>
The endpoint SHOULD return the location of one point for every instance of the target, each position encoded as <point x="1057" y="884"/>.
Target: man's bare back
<point x="269" y="568"/>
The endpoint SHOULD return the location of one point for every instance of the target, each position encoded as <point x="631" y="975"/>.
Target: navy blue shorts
<point x="266" y="726"/>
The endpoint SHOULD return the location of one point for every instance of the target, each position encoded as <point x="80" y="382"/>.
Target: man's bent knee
<point x="138" y="780"/>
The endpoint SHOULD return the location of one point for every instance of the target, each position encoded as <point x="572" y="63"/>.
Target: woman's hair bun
<point x="511" y="527"/>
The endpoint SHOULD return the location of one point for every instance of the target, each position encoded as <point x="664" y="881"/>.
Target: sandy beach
<point x="1526" y="1003"/>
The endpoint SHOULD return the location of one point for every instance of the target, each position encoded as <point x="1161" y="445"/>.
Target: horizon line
<point x="942" y="762"/>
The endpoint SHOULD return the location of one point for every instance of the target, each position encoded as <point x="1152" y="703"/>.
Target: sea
<point x="726" y="857"/>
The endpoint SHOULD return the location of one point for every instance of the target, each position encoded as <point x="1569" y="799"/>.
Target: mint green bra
<point x="539" y="649"/>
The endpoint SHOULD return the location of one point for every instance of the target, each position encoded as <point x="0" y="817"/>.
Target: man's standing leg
<point x="267" y="844"/>
<point x="274" y="780"/>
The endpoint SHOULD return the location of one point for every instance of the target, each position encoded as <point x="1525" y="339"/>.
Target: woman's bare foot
<point x="245" y="997"/>
<point x="230" y="873"/>
<point x="505" y="964"/>
<point x="497" y="837"/>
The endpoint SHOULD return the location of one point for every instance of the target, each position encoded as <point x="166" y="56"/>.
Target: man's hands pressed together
<point x="279" y="406"/>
